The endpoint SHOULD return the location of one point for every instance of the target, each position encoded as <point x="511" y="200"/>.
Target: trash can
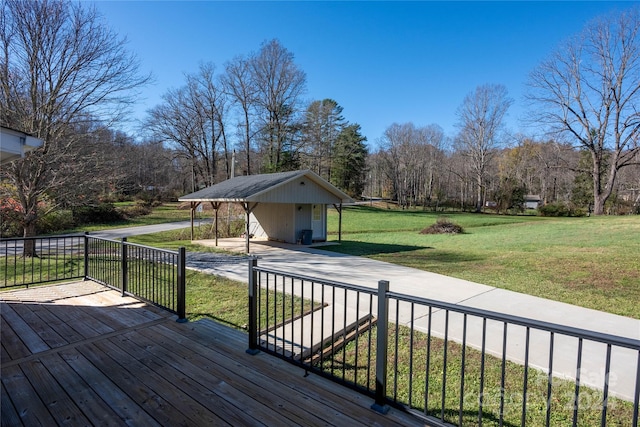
<point x="307" y="237"/>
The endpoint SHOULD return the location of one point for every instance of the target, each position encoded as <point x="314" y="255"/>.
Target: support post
<point x="193" y="214"/>
<point x="381" y="349"/>
<point x="339" y="209"/>
<point x="340" y="223"/>
<point x="181" y="305"/>
<point x="215" y="206"/>
<point x="253" y="307"/>
<point x="86" y="255"/>
<point x="246" y="231"/>
<point x="125" y="270"/>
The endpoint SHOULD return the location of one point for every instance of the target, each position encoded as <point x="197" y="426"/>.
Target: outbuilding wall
<point x="277" y="220"/>
<point x="301" y="190"/>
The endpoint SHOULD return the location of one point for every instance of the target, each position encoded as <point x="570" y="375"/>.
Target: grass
<point x="593" y="261"/>
<point x="424" y="392"/>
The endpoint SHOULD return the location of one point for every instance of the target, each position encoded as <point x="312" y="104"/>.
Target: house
<point x="532" y="201"/>
<point x="288" y="207"/>
<point x="15" y="144"/>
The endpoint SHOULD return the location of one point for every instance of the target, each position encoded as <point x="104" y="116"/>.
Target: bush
<point x="139" y="208"/>
<point x="443" y="226"/>
<point x="96" y="214"/>
<point x="560" y="209"/>
<point x="55" y="222"/>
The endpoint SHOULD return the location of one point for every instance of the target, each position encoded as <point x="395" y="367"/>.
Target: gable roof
<point x="253" y="188"/>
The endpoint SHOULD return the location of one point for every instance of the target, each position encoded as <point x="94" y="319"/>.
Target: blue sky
<point x="383" y="62"/>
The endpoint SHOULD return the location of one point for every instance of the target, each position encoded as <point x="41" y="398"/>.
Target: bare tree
<point x="174" y="123"/>
<point x="411" y="157"/>
<point x="192" y="119"/>
<point x="480" y="119"/>
<point x="279" y="84"/>
<point x="588" y="91"/>
<point x="240" y="87"/>
<point x="209" y="105"/>
<point x="60" y="67"/>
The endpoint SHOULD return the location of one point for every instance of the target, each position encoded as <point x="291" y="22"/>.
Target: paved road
<point x="119" y="233"/>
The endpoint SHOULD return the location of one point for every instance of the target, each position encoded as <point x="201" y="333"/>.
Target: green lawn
<point x="593" y="262"/>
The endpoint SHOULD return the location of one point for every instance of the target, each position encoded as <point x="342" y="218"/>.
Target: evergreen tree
<point x="349" y="161"/>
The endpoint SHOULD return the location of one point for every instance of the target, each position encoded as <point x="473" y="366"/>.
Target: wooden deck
<point x="80" y="354"/>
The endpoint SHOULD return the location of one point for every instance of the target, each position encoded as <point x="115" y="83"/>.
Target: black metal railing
<point x="447" y="363"/>
<point x="33" y="260"/>
<point x="153" y="275"/>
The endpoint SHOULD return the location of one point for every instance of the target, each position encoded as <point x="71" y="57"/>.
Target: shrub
<point x="443" y="226"/>
<point x="96" y="214"/>
<point x="553" y="209"/>
<point x="560" y="209"/>
<point x="55" y="221"/>
<point x="139" y="208"/>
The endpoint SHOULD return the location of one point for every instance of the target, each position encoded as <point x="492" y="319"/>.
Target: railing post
<point x="86" y="255"/>
<point x="381" y="349"/>
<point x="253" y="307"/>
<point x="182" y="288"/>
<point x="124" y="271"/>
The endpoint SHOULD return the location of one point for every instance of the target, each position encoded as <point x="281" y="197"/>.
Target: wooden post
<point x="193" y="213"/>
<point x="248" y="209"/>
<point x="340" y="223"/>
<point x="246" y="228"/>
<point x="216" y="206"/>
<point x="339" y="209"/>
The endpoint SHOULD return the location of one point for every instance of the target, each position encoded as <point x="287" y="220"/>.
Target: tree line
<point x="69" y="80"/>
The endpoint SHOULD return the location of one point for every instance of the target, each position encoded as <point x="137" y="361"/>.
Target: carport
<point x="288" y="207"/>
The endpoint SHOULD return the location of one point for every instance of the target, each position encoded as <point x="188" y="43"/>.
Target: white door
<point x="318" y="222"/>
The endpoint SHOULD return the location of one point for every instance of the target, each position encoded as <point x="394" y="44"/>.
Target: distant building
<point x="532" y="201"/>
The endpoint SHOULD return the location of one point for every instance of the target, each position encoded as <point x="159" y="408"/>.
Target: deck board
<point x="79" y="354"/>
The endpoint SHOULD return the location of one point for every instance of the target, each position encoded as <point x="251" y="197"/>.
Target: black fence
<point x="47" y="259"/>
<point x="153" y="275"/>
<point x="446" y="363"/>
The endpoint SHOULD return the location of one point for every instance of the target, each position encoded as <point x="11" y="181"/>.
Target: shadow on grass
<point x="356" y="248"/>
<point x="420" y="256"/>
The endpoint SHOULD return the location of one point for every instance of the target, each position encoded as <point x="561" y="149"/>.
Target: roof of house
<point x="254" y="188"/>
<point x="15" y="144"/>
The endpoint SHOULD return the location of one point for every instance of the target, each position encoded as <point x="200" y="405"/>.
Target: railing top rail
<point x="631" y="343"/>
<point x="57" y="236"/>
<point x="104" y="239"/>
<point x="317" y="280"/>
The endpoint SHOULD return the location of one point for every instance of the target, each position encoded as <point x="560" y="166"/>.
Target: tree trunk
<point x="29" y="249"/>
<point x="479" y="194"/>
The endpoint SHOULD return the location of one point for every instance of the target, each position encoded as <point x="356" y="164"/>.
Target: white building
<point x="288" y="207"/>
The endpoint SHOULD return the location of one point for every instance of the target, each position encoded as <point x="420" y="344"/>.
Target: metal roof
<point x="248" y="188"/>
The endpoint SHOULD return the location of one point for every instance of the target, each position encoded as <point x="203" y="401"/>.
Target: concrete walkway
<point x="315" y="262"/>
